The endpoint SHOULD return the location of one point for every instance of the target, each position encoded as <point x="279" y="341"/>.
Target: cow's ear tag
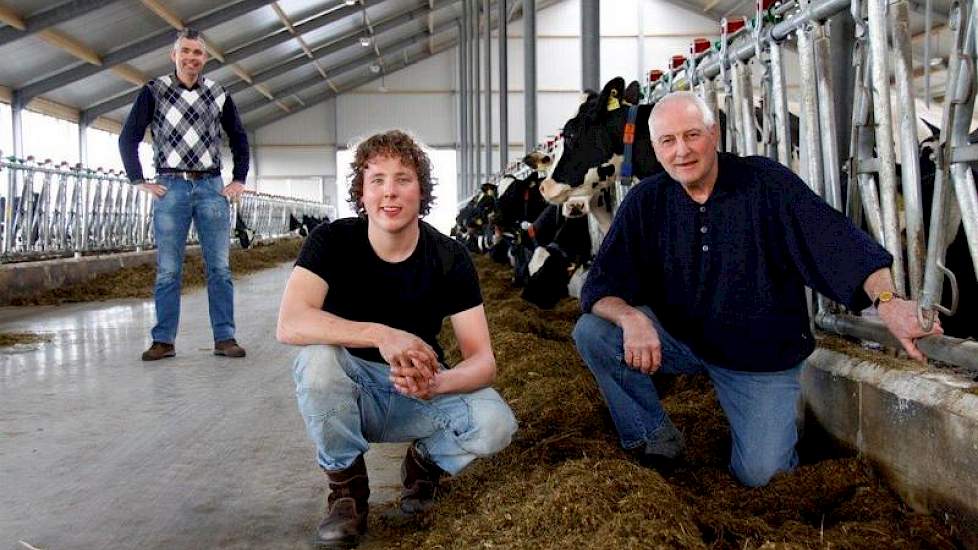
<point x="613" y="103"/>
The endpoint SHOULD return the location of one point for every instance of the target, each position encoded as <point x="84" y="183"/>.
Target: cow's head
<point x="590" y="141"/>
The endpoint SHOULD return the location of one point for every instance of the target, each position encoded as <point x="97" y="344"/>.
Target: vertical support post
<point x="590" y="45"/>
<point x="884" y="139"/>
<point x="910" y="163"/>
<point x="476" y="20"/>
<point x="529" y="74"/>
<point x="463" y="107"/>
<point x="780" y="103"/>
<point x="832" y="171"/>
<point x="503" y="86"/>
<point x="810" y="140"/>
<point x="841" y="35"/>
<point x="488" y="75"/>
<point x="83" y="142"/>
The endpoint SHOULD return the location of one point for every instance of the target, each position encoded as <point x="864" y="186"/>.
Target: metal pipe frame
<point x="810" y="140"/>
<point x="832" y="170"/>
<point x="529" y="74"/>
<point x="502" y="18"/>
<point x="463" y="111"/>
<point x="955" y="351"/>
<point x="910" y="163"/>
<point x="61" y="211"/>
<point x="488" y="76"/>
<point x="885" y="154"/>
<point x="782" y="122"/>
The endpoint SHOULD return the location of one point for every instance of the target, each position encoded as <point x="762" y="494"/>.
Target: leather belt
<point x="189" y="175"/>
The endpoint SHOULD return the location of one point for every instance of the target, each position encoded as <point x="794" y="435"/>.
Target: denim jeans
<point x="199" y="201"/>
<point x="347" y="402"/>
<point x="762" y="407"/>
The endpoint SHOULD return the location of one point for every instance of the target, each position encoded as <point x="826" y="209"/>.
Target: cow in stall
<point x="473" y="225"/>
<point x="520" y="204"/>
<point x="563" y="249"/>
<point x="306" y="224"/>
<point x="588" y="159"/>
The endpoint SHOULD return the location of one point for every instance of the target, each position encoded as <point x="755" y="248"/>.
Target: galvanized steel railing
<point x="55" y="210"/>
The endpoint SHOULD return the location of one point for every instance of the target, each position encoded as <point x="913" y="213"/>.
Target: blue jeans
<point x="199" y="201"/>
<point x="762" y="407"/>
<point x="347" y="402"/>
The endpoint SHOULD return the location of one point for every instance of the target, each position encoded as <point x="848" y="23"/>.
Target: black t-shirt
<point x="438" y="280"/>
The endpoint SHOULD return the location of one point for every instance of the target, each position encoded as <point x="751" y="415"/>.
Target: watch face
<point x="885" y="296"/>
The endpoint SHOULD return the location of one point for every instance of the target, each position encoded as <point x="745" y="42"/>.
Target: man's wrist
<point x="885" y="297"/>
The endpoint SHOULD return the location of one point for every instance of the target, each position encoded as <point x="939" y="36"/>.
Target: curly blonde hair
<point x="393" y="144"/>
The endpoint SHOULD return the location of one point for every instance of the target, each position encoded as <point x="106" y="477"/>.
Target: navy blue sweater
<point x="727" y="277"/>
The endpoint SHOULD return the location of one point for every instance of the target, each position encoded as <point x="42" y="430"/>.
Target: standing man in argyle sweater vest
<point x="185" y="113"/>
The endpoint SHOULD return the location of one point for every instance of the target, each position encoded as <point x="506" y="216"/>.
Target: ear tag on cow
<point x="613" y="103"/>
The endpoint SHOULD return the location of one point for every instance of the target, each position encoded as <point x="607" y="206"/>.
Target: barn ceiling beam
<point x="302" y="43"/>
<point x="241" y="52"/>
<point x="311" y="101"/>
<point x="414" y="14"/>
<point x="156" y="41"/>
<point x="21" y="27"/>
<point x="363" y="60"/>
<point x="213" y="50"/>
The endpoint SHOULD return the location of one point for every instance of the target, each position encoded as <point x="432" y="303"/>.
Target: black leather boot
<point x="346" y="518"/>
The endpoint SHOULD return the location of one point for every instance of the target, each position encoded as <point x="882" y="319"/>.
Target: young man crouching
<point x="367" y="298"/>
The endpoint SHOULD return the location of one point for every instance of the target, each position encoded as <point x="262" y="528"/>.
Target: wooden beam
<point x="130" y="74"/>
<point x="242" y="74"/>
<point x="164" y="13"/>
<point x="264" y="91"/>
<point x="215" y="52"/>
<point x="8" y="16"/>
<point x="70" y="45"/>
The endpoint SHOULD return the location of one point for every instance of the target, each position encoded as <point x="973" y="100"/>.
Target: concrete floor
<point x="101" y="450"/>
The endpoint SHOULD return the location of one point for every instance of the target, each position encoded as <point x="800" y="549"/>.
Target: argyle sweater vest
<point x="187" y="124"/>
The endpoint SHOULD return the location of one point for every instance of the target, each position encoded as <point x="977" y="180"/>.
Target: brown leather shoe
<point x="228" y="348"/>
<point x="420" y="478"/>
<point x="346" y="518"/>
<point x="158" y="351"/>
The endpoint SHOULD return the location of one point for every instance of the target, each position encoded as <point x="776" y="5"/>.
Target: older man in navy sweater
<point x="704" y="270"/>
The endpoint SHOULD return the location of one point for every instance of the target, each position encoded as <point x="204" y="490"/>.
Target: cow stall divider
<point x="871" y="193"/>
<point x="864" y="186"/>
<point x="55" y="210"/>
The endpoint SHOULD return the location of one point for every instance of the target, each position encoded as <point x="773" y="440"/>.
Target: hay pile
<point x="565" y="483"/>
<point x="137" y="282"/>
<point x="9" y="339"/>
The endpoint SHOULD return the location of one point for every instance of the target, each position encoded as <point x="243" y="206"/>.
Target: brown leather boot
<point x="420" y="477"/>
<point x="159" y="350"/>
<point x="346" y="518"/>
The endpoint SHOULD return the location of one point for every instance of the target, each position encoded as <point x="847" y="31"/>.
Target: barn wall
<point x="637" y="35"/>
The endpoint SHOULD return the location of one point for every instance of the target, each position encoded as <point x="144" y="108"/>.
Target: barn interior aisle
<point x="101" y="450"/>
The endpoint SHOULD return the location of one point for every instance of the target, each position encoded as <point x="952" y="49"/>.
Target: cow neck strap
<point x="625" y="174"/>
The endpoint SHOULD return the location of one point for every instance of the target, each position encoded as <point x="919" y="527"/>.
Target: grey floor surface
<point x="100" y="450"/>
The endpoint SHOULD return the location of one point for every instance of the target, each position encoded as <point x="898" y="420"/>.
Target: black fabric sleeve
<point x="832" y="255"/>
<point x="237" y="138"/>
<point x="133" y="131"/>
<point x="615" y="270"/>
<point x="463" y="283"/>
<point x="316" y="252"/>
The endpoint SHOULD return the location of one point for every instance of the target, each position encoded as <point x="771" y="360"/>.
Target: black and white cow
<point x="473" y="225"/>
